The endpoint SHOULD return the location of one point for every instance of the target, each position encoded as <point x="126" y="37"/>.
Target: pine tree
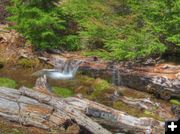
<point x="39" y="21"/>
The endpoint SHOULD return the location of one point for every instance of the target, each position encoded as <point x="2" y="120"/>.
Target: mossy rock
<point x="6" y="82"/>
<point x="175" y="102"/>
<point x="28" y="63"/>
<point x="63" y="92"/>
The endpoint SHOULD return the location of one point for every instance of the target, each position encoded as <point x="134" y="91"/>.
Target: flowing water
<point x="66" y="69"/>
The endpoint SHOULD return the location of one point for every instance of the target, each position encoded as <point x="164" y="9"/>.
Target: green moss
<point x="99" y="86"/>
<point x="148" y="112"/>
<point x="94" y="88"/>
<point x="6" y="82"/>
<point x="176" y="102"/>
<point x="27" y="63"/>
<point x="85" y="80"/>
<point x="153" y="115"/>
<point x="16" y="131"/>
<point x="63" y="92"/>
<point x="135" y="111"/>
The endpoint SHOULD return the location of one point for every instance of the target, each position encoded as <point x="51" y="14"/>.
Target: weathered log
<point x="111" y="116"/>
<point x="37" y="109"/>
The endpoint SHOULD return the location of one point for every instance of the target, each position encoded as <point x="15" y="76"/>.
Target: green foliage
<point x="118" y="27"/>
<point x="63" y="92"/>
<point x="137" y="45"/>
<point x="6" y="82"/>
<point x="39" y="21"/>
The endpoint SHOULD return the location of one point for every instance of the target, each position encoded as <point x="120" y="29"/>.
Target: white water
<point x="63" y="70"/>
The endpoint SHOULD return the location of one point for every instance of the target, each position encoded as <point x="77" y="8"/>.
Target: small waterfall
<point x="64" y="69"/>
<point x="116" y="77"/>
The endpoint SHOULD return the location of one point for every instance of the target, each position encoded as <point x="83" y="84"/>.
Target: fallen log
<point x="34" y="108"/>
<point x="161" y="80"/>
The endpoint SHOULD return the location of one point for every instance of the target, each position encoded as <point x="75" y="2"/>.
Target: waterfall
<point x="116" y="77"/>
<point x="64" y="69"/>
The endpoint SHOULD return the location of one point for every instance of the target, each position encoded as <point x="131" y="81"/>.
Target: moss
<point x="148" y="112"/>
<point x="16" y="131"/>
<point x="6" y="82"/>
<point x="86" y="81"/>
<point x="63" y="92"/>
<point x="93" y="88"/>
<point x="153" y="115"/>
<point x="99" y="86"/>
<point x="176" y="102"/>
<point x="135" y="111"/>
<point x="27" y="63"/>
